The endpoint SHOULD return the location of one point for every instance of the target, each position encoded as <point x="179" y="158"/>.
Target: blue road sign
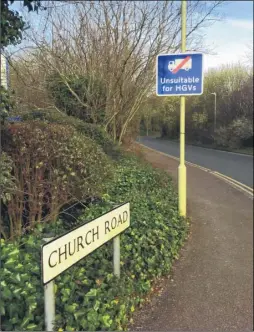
<point x="14" y="119"/>
<point x="179" y="74"/>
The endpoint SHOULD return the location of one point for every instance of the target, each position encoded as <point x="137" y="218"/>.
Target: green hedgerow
<point x="96" y="132"/>
<point x="88" y="296"/>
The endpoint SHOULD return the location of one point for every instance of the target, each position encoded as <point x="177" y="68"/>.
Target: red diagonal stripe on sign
<point x="181" y="64"/>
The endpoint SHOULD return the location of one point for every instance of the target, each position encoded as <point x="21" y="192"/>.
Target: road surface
<point x="234" y="165"/>
<point x="210" y="287"/>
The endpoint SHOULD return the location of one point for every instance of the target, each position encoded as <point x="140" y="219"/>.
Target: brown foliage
<point x="53" y="165"/>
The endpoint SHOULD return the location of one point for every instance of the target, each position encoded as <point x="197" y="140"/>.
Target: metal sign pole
<point x="182" y="167"/>
<point x="116" y="255"/>
<point x="49" y="302"/>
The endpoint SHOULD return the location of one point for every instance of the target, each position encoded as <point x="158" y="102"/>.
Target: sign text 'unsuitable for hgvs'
<point x="66" y="250"/>
<point x="179" y="74"/>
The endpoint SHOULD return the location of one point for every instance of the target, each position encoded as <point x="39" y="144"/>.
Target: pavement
<point x="210" y="287"/>
<point x="234" y="165"/>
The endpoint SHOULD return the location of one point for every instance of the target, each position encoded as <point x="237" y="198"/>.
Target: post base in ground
<point x="182" y="190"/>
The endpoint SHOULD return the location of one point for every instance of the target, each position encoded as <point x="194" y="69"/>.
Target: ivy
<point x="88" y="296"/>
<point x="6" y="104"/>
<point x="12" y="24"/>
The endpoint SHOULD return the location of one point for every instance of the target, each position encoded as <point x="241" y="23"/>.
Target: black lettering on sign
<point x="51" y="265"/>
<point x="96" y="233"/>
<point x="74" y="248"/>
<point x="86" y="238"/>
<point x="113" y="223"/>
<point x="125" y="216"/>
<point x="107" y="226"/>
<point x="80" y="242"/>
<point x="119" y="220"/>
<point x="62" y="253"/>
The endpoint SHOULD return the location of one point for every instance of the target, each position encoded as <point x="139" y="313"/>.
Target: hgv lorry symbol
<point x="173" y="64"/>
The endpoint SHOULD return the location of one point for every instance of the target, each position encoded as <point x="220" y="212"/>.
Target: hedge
<point x="93" y="131"/>
<point x="88" y="296"/>
<point x="53" y="165"/>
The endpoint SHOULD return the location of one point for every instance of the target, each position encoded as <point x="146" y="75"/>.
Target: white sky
<point x="229" y="39"/>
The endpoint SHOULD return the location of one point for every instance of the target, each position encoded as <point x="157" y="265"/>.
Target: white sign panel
<point x="4" y="72"/>
<point x="61" y="253"/>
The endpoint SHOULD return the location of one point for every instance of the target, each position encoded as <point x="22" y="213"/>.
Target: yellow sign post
<point x="182" y="168"/>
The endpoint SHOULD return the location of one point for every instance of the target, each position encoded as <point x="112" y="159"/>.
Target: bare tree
<point x="115" y="42"/>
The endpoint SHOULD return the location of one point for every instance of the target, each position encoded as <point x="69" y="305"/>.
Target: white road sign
<point x="4" y="72"/>
<point x="61" y="253"/>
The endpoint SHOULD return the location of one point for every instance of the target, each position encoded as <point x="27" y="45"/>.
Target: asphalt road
<point x="234" y="165"/>
<point x="210" y="286"/>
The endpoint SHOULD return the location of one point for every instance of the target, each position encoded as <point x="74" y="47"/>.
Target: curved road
<point x="210" y="286"/>
<point x="234" y="165"/>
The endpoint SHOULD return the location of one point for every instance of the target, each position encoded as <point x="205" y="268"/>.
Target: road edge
<point x="205" y="147"/>
<point x="234" y="183"/>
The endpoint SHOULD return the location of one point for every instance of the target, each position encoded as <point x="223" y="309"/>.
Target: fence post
<point x="49" y="301"/>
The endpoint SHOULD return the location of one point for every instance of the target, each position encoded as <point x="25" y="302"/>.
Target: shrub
<point x="6" y="103"/>
<point x="59" y="166"/>
<point x="7" y="187"/>
<point x="95" y="132"/>
<point x="88" y="296"/>
<point x="100" y="136"/>
<point x="81" y="96"/>
<point x="7" y="181"/>
<point x="234" y="135"/>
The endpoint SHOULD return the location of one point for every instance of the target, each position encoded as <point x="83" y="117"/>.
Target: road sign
<point x="179" y="74"/>
<point x="61" y="253"/>
<point x="14" y="119"/>
<point x="4" y="72"/>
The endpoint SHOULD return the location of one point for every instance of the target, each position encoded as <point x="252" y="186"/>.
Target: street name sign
<point x="64" y="251"/>
<point x="179" y="74"/>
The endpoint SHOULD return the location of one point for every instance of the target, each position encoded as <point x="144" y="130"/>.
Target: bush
<point x="7" y="188"/>
<point x="81" y="96"/>
<point x="95" y="132"/>
<point x="7" y="181"/>
<point x="99" y="135"/>
<point x="59" y="166"/>
<point x="6" y="103"/>
<point x="234" y="135"/>
<point x="88" y="296"/>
